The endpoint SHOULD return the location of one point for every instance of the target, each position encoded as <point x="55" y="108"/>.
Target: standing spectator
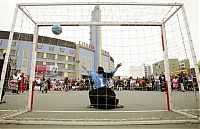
<point x="141" y="84"/>
<point x="14" y="83"/>
<point x="131" y="83"/>
<point x="162" y="82"/>
<point x="157" y="83"/>
<point x="186" y="82"/>
<point x="66" y="81"/>
<point x="61" y="84"/>
<point x="117" y="83"/>
<point x="121" y="85"/>
<point x="38" y="83"/>
<point x="45" y="87"/>
<point x="43" y="81"/>
<point x="190" y="83"/>
<point x="7" y="76"/>
<point x="152" y="81"/>
<point x="134" y="84"/>
<point x="49" y="83"/>
<point x="53" y="82"/>
<point x="92" y="84"/>
<point x="69" y="85"/>
<point x="144" y="86"/>
<point x="125" y="84"/>
<point x="87" y="83"/>
<point x="19" y="79"/>
<point x="160" y="78"/>
<point x="22" y="86"/>
<point x="181" y="80"/>
<point x="137" y="84"/>
<point x="149" y="84"/>
<point x="175" y="83"/>
<point x="195" y="84"/>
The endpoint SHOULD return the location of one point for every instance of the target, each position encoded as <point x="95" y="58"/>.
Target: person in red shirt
<point x="22" y="86"/>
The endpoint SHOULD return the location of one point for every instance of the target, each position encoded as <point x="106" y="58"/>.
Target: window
<point x="90" y="63"/>
<point x="60" y="73"/>
<point x="71" y="67"/>
<point x="13" y="52"/>
<point x="1" y="52"/>
<point x="51" y="56"/>
<point x="61" y="66"/>
<point x="71" y="58"/>
<point x="61" y="57"/>
<point x="71" y="75"/>
<point x="39" y="63"/>
<point x="13" y="63"/>
<point x="50" y="63"/>
<point x="40" y="55"/>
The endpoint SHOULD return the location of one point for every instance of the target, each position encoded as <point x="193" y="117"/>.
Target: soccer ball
<point x="56" y="29"/>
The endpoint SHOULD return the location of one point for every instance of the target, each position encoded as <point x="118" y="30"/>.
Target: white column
<point x="99" y="48"/>
<point x="8" y="50"/>
<point x="32" y="73"/>
<point x="96" y="37"/>
<point x="166" y="65"/>
<point x="77" y="60"/>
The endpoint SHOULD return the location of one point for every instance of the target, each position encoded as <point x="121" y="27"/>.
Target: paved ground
<point x="77" y="101"/>
<point x="173" y="126"/>
<point x="59" y="105"/>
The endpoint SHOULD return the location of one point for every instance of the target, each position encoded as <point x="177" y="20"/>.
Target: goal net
<point x="158" y="78"/>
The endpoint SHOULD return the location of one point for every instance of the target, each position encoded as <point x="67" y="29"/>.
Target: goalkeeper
<point x="102" y="96"/>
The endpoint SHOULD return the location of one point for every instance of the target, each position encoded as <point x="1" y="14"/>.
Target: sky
<point x="192" y="11"/>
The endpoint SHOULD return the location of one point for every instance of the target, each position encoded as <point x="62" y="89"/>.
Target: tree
<point x="199" y="64"/>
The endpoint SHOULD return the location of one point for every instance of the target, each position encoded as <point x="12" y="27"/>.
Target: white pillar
<point x="77" y="60"/>
<point x="32" y="73"/>
<point x="166" y="65"/>
<point x="96" y="37"/>
<point x="3" y="73"/>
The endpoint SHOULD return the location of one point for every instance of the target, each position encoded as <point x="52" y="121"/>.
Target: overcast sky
<point x="192" y="10"/>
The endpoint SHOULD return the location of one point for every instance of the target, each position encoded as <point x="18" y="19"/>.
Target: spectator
<point x="181" y="80"/>
<point x="175" y="83"/>
<point x="7" y="76"/>
<point x="131" y="83"/>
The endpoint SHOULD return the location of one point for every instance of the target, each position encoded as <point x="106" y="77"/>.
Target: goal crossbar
<point x="22" y="7"/>
<point x="99" y="3"/>
<point x="100" y="23"/>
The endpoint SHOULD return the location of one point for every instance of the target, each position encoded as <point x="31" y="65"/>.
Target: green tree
<point x="199" y="64"/>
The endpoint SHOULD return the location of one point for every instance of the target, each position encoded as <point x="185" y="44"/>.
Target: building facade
<point x="140" y="71"/>
<point x="184" y="64"/>
<point x="67" y="56"/>
<point x="174" y="65"/>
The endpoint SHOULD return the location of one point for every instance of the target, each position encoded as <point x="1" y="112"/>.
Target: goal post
<point x="194" y="58"/>
<point x="147" y="37"/>
<point x="166" y="63"/>
<point x="33" y="66"/>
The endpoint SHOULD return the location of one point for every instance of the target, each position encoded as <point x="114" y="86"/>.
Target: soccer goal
<point x="49" y="43"/>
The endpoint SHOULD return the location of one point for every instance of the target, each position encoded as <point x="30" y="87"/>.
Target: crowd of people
<point x="100" y="84"/>
<point x="48" y="84"/>
<point x="182" y="82"/>
<point x="17" y="82"/>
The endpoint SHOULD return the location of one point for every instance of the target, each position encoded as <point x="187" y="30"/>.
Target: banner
<point x="47" y="70"/>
